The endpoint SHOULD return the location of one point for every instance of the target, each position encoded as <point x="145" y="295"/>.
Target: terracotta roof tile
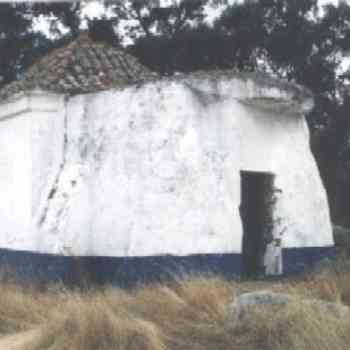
<point x="80" y="67"/>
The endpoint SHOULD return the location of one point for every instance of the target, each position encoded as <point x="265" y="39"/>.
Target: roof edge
<point x="29" y="101"/>
<point x="257" y="90"/>
<point x="250" y="88"/>
<point x="14" y="107"/>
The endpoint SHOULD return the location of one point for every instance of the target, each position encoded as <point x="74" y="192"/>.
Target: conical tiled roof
<point x="80" y="67"/>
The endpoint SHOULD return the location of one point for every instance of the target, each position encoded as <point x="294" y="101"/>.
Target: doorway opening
<point x="256" y="210"/>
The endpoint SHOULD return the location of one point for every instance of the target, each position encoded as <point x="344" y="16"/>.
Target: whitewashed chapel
<point x="136" y="177"/>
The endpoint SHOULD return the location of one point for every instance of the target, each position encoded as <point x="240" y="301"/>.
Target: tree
<point x="62" y="14"/>
<point x="150" y="18"/>
<point x="14" y="39"/>
<point x="20" y="45"/>
<point x="190" y="49"/>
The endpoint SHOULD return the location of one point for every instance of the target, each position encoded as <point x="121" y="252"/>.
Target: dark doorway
<point x="256" y="211"/>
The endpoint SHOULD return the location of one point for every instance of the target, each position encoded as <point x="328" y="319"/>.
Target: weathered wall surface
<point x="280" y="144"/>
<point x="154" y="170"/>
<point x="146" y="171"/>
<point x="15" y="183"/>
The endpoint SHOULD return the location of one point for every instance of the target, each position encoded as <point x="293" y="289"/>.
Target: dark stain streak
<point x="52" y="193"/>
<point x="204" y="98"/>
<point x="54" y="188"/>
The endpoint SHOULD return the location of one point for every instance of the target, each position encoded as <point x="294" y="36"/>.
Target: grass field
<point x="191" y="313"/>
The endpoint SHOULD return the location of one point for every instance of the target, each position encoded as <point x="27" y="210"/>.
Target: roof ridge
<point x="76" y="67"/>
<point x="75" y="43"/>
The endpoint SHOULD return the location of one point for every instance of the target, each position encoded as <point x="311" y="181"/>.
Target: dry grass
<point x="187" y="314"/>
<point x="21" y="308"/>
<point x="296" y="327"/>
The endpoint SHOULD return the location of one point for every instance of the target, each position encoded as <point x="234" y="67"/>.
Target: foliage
<point x="66" y="15"/>
<point x="20" y="45"/>
<point x="150" y="18"/>
<point x="15" y="40"/>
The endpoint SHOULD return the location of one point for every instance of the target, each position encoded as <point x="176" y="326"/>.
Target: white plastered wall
<point x="15" y="186"/>
<point x="143" y="176"/>
<point x="277" y="143"/>
<point x="156" y="170"/>
<point x="19" y="121"/>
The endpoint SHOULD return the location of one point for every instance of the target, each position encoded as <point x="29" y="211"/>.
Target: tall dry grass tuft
<point x="192" y="313"/>
<point x="294" y="327"/>
<point x="88" y="323"/>
<point x="21" y="309"/>
<point x="333" y="287"/>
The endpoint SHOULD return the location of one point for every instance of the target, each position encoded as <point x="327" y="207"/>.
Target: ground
<point x="17" y="341"/>
<point x="192" y="313"/>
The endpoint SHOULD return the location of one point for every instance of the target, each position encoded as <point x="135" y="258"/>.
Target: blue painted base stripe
<point x="120" y="271"/>
<point x="127" y="271"/>
<point x="298" y="260"/>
